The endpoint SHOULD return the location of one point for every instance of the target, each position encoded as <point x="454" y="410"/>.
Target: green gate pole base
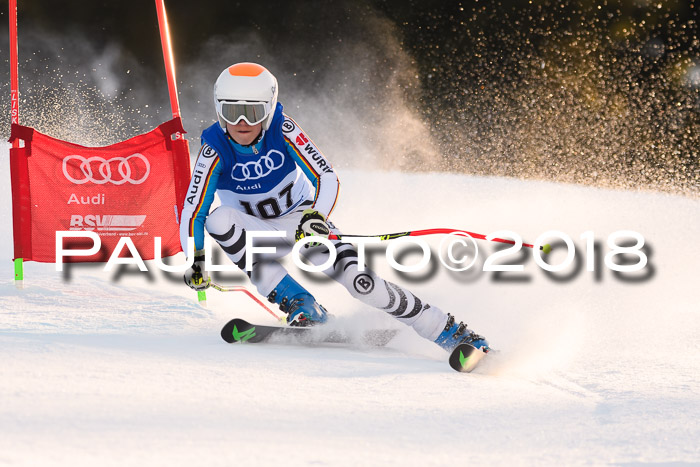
<point x="202" y="297"/>
<point x="19" y="272"/>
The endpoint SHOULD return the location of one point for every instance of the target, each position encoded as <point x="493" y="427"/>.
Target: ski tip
<point x="465" y="357"/>
<point x="226" y="332"/>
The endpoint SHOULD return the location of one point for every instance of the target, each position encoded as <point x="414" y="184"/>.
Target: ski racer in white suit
<point x="271" y="177"/>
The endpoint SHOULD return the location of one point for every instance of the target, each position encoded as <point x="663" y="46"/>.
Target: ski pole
<point x="418" y="233"/>
<point x="240" y="288"/>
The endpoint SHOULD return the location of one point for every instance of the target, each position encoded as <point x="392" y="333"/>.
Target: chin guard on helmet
<point x="245" y="91"/>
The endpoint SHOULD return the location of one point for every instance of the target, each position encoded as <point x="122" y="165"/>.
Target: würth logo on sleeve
<point x="320" y="162"/>
<point x="301" y="139"/>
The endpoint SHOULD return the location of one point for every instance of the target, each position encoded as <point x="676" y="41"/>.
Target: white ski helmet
<point x="245" y="91"/>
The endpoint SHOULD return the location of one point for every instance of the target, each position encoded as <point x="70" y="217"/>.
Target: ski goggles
<point x="252" y="112"/>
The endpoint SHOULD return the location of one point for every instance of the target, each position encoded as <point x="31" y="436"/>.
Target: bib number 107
<point x="270" y="208"/>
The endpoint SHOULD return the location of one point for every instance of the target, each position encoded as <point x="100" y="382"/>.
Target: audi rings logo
<point x="133" y="169"/>
<point x="263" y="167"/>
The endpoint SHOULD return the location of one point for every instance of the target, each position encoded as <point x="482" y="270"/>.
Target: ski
<point x="465" y="357"/>
<point x="240" y="330"/>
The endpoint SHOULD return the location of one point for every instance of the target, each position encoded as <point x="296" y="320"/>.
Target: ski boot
<point x="301" y="307"/>
<point x="455" y="334"/>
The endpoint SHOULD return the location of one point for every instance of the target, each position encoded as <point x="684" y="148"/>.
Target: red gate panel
<point x="134" y="188"/>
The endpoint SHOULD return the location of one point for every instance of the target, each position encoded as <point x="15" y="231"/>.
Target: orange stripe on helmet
<point x="246" y="69"/>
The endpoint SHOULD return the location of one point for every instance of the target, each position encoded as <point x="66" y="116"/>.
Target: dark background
<point x="602" y="93"/>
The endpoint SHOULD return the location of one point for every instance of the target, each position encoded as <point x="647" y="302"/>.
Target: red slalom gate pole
<point x="14" y="67"/>
<point x="168" y="59"/>
<point x="418" y="233"/>
<point x="14" y="110"/>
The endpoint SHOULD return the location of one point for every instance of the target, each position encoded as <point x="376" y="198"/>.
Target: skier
<point x="271" y="177"/>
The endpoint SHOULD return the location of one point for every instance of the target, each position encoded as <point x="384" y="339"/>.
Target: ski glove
<point x="197" y="277"/>
<point x="312" y="223"/>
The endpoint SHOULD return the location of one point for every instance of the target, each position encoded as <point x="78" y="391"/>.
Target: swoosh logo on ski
<point x="462" y="358"/>
<point x="465" y="357"/>
<point x="244" y="335"/>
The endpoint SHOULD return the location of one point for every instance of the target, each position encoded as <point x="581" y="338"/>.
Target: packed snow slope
<point x="125" y="368"/>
